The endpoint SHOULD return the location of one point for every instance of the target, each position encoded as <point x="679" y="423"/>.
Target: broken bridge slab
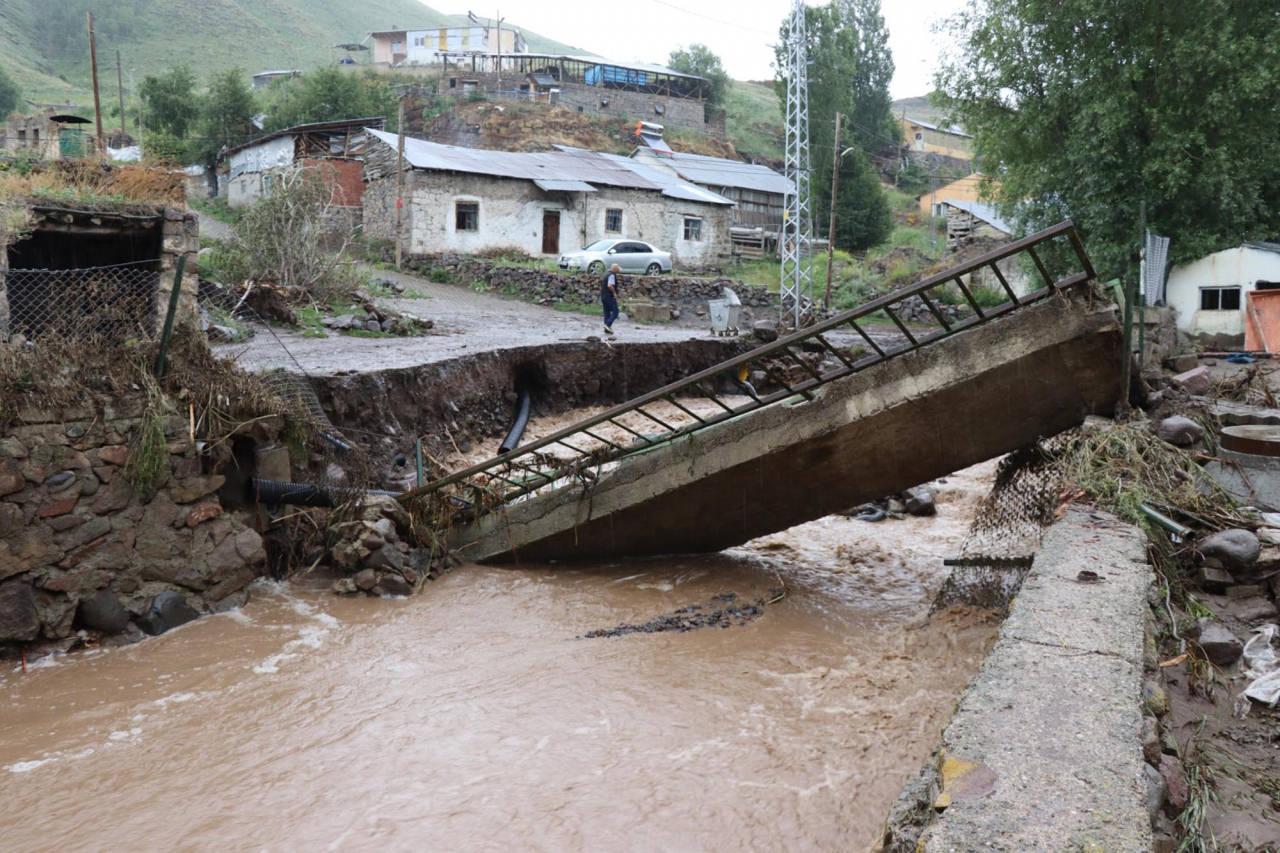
<point x="901" y="422"/>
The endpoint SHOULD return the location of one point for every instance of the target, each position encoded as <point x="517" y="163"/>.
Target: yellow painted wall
<point x="935" y="141"/>
<point x="964" y="189"/>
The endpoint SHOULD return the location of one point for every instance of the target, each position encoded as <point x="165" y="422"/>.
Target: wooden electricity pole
<point x="400" y="179"/>
<point x="831" y="225"/>
<point x="120" y="89"/>
<point x="97" y="103"/>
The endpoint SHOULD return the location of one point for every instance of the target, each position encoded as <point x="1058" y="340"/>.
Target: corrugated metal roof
<point x="564" y="166"/>
<point x="719" y="172"/>
<point x="588" y="58"/>
<point x="553" y="186"/>
<point x="672" y="186"/>
<point x="985" y="212"/>
<point x="1263" y="246"/>
<point x="955" y="129"/>
<point x="314" y="127"/>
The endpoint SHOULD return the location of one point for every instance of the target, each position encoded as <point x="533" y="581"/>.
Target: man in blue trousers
<point x="609" y="287"/>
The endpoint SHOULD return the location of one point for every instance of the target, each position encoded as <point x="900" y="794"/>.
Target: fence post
<point x="165" y="334"/>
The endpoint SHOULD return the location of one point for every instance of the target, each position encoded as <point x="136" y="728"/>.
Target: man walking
<point x="609" y="286"/>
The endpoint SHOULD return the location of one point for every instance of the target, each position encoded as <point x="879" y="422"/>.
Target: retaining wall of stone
<point x="82" y="548"/>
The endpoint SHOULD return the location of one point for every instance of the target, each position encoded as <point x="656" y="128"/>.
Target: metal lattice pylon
<point x="795" y="245"/>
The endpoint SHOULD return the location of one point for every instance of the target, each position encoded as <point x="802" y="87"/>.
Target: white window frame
<point x="698" y="237"/>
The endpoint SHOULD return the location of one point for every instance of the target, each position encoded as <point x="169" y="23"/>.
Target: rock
<point x="1219" y="644"/>
<point x="365" y="579"/>
<point x="386" y="558"/>
<point x="193" y="488"/>
<point x="1232" y="549"/>
<point x="1183" y="363"/>
<point x="60" y="481"/>
<point x="341" y="323"/>
<point x="1214" y="579"/>
<point x="103" y="612"/>
<point x="389" y="325"/>
<point x="1175" y="782"/>
<point x="920" y="500"/>
<point x="1154" y="697"/>
<point x="116" y="455"/>
<point x="11" y="480"/>
<point x="59" y="507"/>
<point x="1180" y="431"/>
<point x="19" y="621"/>
<point x="762" y="330"/>
<point x="167" y="611"/>
<point x="895" y="505"/>
<point x="372" y="325"/>
<point x="1156" y="791"/>
<point x="1255" y="610"/>
<point x="393" y="585"/>
<point x="1194" y="381"/>
<point x="1151" y="741"/>
<point x="345" y="586"/>
<point x="203" y="512"/>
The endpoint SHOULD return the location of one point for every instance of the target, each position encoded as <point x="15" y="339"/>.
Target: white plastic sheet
<point x="1262" y="669"/>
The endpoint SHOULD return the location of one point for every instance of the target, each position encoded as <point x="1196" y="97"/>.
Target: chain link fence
<point x="1008" y="527"/>
<point x="115" y="302"/>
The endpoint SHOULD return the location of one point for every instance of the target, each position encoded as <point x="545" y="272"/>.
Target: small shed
<point x="1228" y="295"/>
<point x="333" y="149"/>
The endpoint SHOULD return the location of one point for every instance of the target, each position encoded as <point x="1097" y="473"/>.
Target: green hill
<point x="43" y="43"/>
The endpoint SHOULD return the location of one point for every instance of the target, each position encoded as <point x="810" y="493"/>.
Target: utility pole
<point x="97" y="103"/>
<point x="498" y="18"/>
<point x="400" y="179"/>
<point x="120" y="88"/>
<point x="831" y="225"/>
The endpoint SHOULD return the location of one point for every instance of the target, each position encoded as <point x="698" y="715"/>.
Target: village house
<point x="333" y="149"/>
<point x="468" y="201"/>
<point x="1229" y="299"/>
<point x="938" y="148"/>
<point x="396" y="47"/>
<point x="48" y="135"/>
<point x="970" y="221"/>
<point x="967" y="188"/>
<point x="587" y="84"/>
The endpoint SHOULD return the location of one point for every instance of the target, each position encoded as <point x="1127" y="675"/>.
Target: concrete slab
<point x="1044" y="752"/>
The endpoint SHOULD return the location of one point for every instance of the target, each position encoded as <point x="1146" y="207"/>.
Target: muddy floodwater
<point x="477" y="716"/>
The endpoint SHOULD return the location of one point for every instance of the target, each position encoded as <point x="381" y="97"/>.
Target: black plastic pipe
<point x="517" y="426"/>
<point x="276" y="492"/>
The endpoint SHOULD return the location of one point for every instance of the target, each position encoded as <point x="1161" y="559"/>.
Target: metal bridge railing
<point x="935" y="308"/>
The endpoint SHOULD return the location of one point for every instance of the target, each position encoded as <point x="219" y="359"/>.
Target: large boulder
<point x="1180" y="431"/>
<point x="1195" y="381"/>
<point x="19" y="620"/>
<point x="1233" y="549"/>
<point x="168" y="610"/>
<point x="103" y="612"/>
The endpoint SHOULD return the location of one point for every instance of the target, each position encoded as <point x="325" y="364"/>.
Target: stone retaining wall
<point x="81" y="548"/>
<point x="547" y="287"/>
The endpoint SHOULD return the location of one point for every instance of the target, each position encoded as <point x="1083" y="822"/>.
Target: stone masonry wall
<point x="81" y="548"/>
<point x="181" y="239"/>
<point x="546" y="287"/>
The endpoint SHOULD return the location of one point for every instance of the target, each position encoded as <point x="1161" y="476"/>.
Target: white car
<point x="632" y="255"/>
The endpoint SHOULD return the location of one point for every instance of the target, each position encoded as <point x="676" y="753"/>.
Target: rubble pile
<point x="371" y="549"/>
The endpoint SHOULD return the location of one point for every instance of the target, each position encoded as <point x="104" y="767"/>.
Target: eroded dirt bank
<point x="477" y="716"/>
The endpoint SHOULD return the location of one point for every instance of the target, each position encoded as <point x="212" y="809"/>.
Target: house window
<point x="613" y="220"/>
<point x="1219" y="299"/>
<point x="693" y="229"/>
<point x="35" y="136"/>
<point x="22" y="138"/>
<point x="453" y="82"/>
<point x="467" y="216"/>
<point x="268" y="181"/>
<point x="919" y="136"/>
<point x="419" y="41"/>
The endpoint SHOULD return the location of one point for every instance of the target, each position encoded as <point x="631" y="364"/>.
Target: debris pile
<point x="374" y="554"/>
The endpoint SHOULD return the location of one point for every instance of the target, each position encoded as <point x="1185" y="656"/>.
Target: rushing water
<point x="476" y="717"/>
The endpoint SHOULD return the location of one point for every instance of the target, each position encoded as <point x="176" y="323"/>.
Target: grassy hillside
<point x="44" y="47"/>
<point x="753" y="120"/>
<point x="919" y="108"/>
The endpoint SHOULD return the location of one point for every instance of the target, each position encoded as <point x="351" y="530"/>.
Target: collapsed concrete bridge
<point x="842" y="425"/>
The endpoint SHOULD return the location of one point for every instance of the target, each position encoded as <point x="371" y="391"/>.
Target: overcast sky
<point x="741" y="32"/>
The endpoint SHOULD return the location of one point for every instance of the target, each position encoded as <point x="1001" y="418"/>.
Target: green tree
<point x="330" y="94"/>
<point x="10" y="95"/>
<point x="850" y="67"/>
<point x="863" y="216"/>
<point x="1086" y="109"/>
<point x="169" y="102"/>
<point x="698" y="60"/>
<point x="226" y="115"/>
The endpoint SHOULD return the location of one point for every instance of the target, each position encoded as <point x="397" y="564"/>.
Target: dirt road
<point x="465" y="322"/>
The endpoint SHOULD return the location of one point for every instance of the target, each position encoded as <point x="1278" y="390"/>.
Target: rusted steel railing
<point x="796" y="365"/>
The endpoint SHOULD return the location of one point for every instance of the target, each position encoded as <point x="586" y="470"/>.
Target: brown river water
<point x="476" y="717"/>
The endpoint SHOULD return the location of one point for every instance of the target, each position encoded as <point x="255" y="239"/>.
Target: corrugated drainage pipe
<point x="518" y="425"/>
<point x="276" y="492"/>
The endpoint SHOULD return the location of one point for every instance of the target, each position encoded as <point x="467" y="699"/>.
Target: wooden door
<point x="550" y="232"/>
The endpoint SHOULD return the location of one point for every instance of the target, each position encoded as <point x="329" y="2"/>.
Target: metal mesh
<point x="1007" y="529"/>
<point x="115" y="301"/>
